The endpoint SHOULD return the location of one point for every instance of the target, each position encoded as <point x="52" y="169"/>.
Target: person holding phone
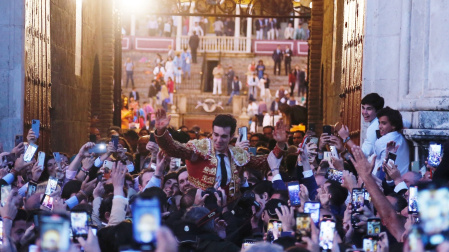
<point x="214" y="161"/>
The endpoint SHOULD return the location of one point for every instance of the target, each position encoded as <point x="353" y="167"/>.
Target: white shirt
<point x="129" y="66"/>
<point x="403" y="155"/>
<point x="371" y="137"/>
<point x="228" y="168"/>
<point x="199" y="31"/>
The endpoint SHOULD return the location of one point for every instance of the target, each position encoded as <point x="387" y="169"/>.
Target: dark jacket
<point x="277" y="56"/>
<point x="137" y="95"/>
<point x="194" y="42"/>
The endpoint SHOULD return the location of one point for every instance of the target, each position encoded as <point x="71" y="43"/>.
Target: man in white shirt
<point x="371" y="104"/>
<point x="197" y="28"/>
<point x="289" y="31"/>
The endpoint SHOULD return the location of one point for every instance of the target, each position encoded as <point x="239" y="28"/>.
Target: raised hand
<point x="280" y="132"/>
<point x="361" y="163"/>
<point x="162" y="120"/>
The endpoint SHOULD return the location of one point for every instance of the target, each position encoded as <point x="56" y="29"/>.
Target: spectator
<point x="198" y="30"/>
<point x="277" y="58"/>
<point x="168" y="26"/>
<point x="134" y="94"/>
<point x="186" y="58"/>
<point x="218" y="27"/>
<point x="152" y="26"/>
<point x="177" y="69"/>
<point x="253" y="84"/>
<point x="271" y="29"/>
<point x="300" y="33"/>
<point x="265" y="87"/>
<point x="194" y="42"/>
<point x="218" y="75"/>
<point x="260" y="25"/>
<point x="274" y="108"/>
<point x="230" y="77"/>
<point x="236" y="87"/>
<point x="292" y="80"/>
<point x="289" y="31"/>
<point x="129" y="67"/>
<point x="260" y="69"/>
<point x="288" y="59"/>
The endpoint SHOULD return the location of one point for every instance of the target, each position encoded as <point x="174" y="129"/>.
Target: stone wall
<point x="12" y="25"/>
<point x="72" y="94"/>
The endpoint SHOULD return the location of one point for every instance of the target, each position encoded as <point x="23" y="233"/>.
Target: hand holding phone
<point x="29" y="153"/>
<point x="80" y="225"/>
<point x="146" y="221"/>
<point x="293" y="193"/>
<point x="243" y="134"/>
<point x="326" y="238"/>
<point x="35" y="126"/>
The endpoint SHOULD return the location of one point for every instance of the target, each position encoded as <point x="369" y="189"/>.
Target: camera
<point x="211" y="201"/>
<point x="243" y="208"/>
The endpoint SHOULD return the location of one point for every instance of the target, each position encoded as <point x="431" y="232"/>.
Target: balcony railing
<point x="223" y="44"/>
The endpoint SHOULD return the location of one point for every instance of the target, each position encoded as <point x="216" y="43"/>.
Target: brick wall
<point x="71" y="94"/>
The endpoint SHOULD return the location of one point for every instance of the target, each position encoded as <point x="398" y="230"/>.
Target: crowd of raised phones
<point x="173" y="190"/>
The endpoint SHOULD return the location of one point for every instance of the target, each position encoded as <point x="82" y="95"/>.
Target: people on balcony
<point x="260" y="25"/>
<point x="197" y="28"/>
<point x="194" y="42"/>
<point x="289" y="32"/>
<point x="168" y="27"/>
<point x="271" y="29"/>
<point x="301" y="33"/>
<point x="218" y="27"/>
<point x="229" y="25"/>
<point x="152" y="26"/>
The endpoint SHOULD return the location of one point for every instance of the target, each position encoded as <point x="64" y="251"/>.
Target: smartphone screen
<point x="114" y="140"/>
<point x="253" y="150"/>
<point x="334" y="151"/>
<point x="293" y="193"/>
<point x="370" y="244"/>
<point x="358" y="199"/>
<point x="31" y="189"/>
<point x="98" y="149"/>
<point x="335" y="175"/>
<point x="54" y="232"/>
<point x="6" y="189"/>
<point x="29" y="153"/>
<point x="18" y="139"/>
<point x="327" y="156"/>
<point x="373" y="226"/>
<point x="57" y="156"/>
<point x="327" y="229"/>
<point x="433" y="210"/>
<point x="146" y="220"/>
<point x="177" y="162"/>
<point x="274" y="229"/>
<point x="47" y="202"/>
<point x="413" y="199"/>
<point x="243" y="134"/>
<point x="52" y="184"/>
<point x="41" y="159"/>
<point x="434" y="154"/>
<point x="367" y="196"/>
<point x="35" y="125"/>
<point x="313" y="208"/>
<point x="303" y="224"/>
<point x="79" y="223"/>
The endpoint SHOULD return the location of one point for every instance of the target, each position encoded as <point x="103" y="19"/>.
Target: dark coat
<point x="194" y="42"/>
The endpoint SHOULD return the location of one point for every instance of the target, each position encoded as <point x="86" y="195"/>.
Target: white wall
<point x="12" y="75"/>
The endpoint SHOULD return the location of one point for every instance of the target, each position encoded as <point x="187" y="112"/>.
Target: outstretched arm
<point x="171" y="147"/>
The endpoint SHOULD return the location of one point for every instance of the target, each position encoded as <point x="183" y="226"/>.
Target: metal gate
<point x="38" y="69"/>
<point x="352" y="53"/>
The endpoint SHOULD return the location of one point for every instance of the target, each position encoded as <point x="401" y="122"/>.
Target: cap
<point x="185" y="231"/>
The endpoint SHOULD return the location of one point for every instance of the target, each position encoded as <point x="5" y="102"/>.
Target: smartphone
<point x="94" y="230"/>
<point x="253" y="150"/>
<point x="243" y="134"/>
<point x="312" y="127"/>
<point x="52" y="185"/>
<point x="146" y="221"/>
<point x="370" y="243"/>
<point x="177" y="162"/>
<point x="378" y="135"/>
<point x="98" y="149"/>
<point x="434" y="154"/>
<point x="413" y="199"/>
<point x="274" y="229"/>
<point x="54" y="232"/>
<point x="93" y="138"/>
<point x="29" y="153"/>
<point x="5" y="191"/>
<point x="373" y="226"/>
<point x="80" y="225"/>
<point x="326" y="238"/>
<point x="31" y="189"/>
<point x="303" y="227"/>
<point x="327" y="156"/>
<point x="152" y="138"/>
<point x="334" y="174"/>
<point x="432" y="206"/>
<point x="108" y="164"/>
<point x="247" y="243"/>
<point x="33" y="248"/>
<point x="358" y="199"/>
<point x="47" y="202"/>
<point x="391" y="158"/>
<point x="334" y="151"/>
<point x="313" y="140"/>
<point x="313" y="208"/>
<point x="1" y="231"/>
<point x="114" y="140"/>
<point x="57" y="157"/>
<point x="41" y="159"/>
<point x="327" y="129"/>
<point x="18" y="139"/>
<point x="293" y="193"/>
<point x="35" y="125"/>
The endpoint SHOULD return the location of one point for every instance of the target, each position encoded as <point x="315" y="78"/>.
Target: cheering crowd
<point x="179" y="190"/>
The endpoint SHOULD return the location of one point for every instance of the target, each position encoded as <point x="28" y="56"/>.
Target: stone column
<point x="12" y="30"/>
<point x="132" y="30"/>
<point x="178" y="32"/>
<point x="192" y="18"/>
<point x="295" y="21"/>
<point x="237" y="28"/>
<point x="249" y="28"/>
